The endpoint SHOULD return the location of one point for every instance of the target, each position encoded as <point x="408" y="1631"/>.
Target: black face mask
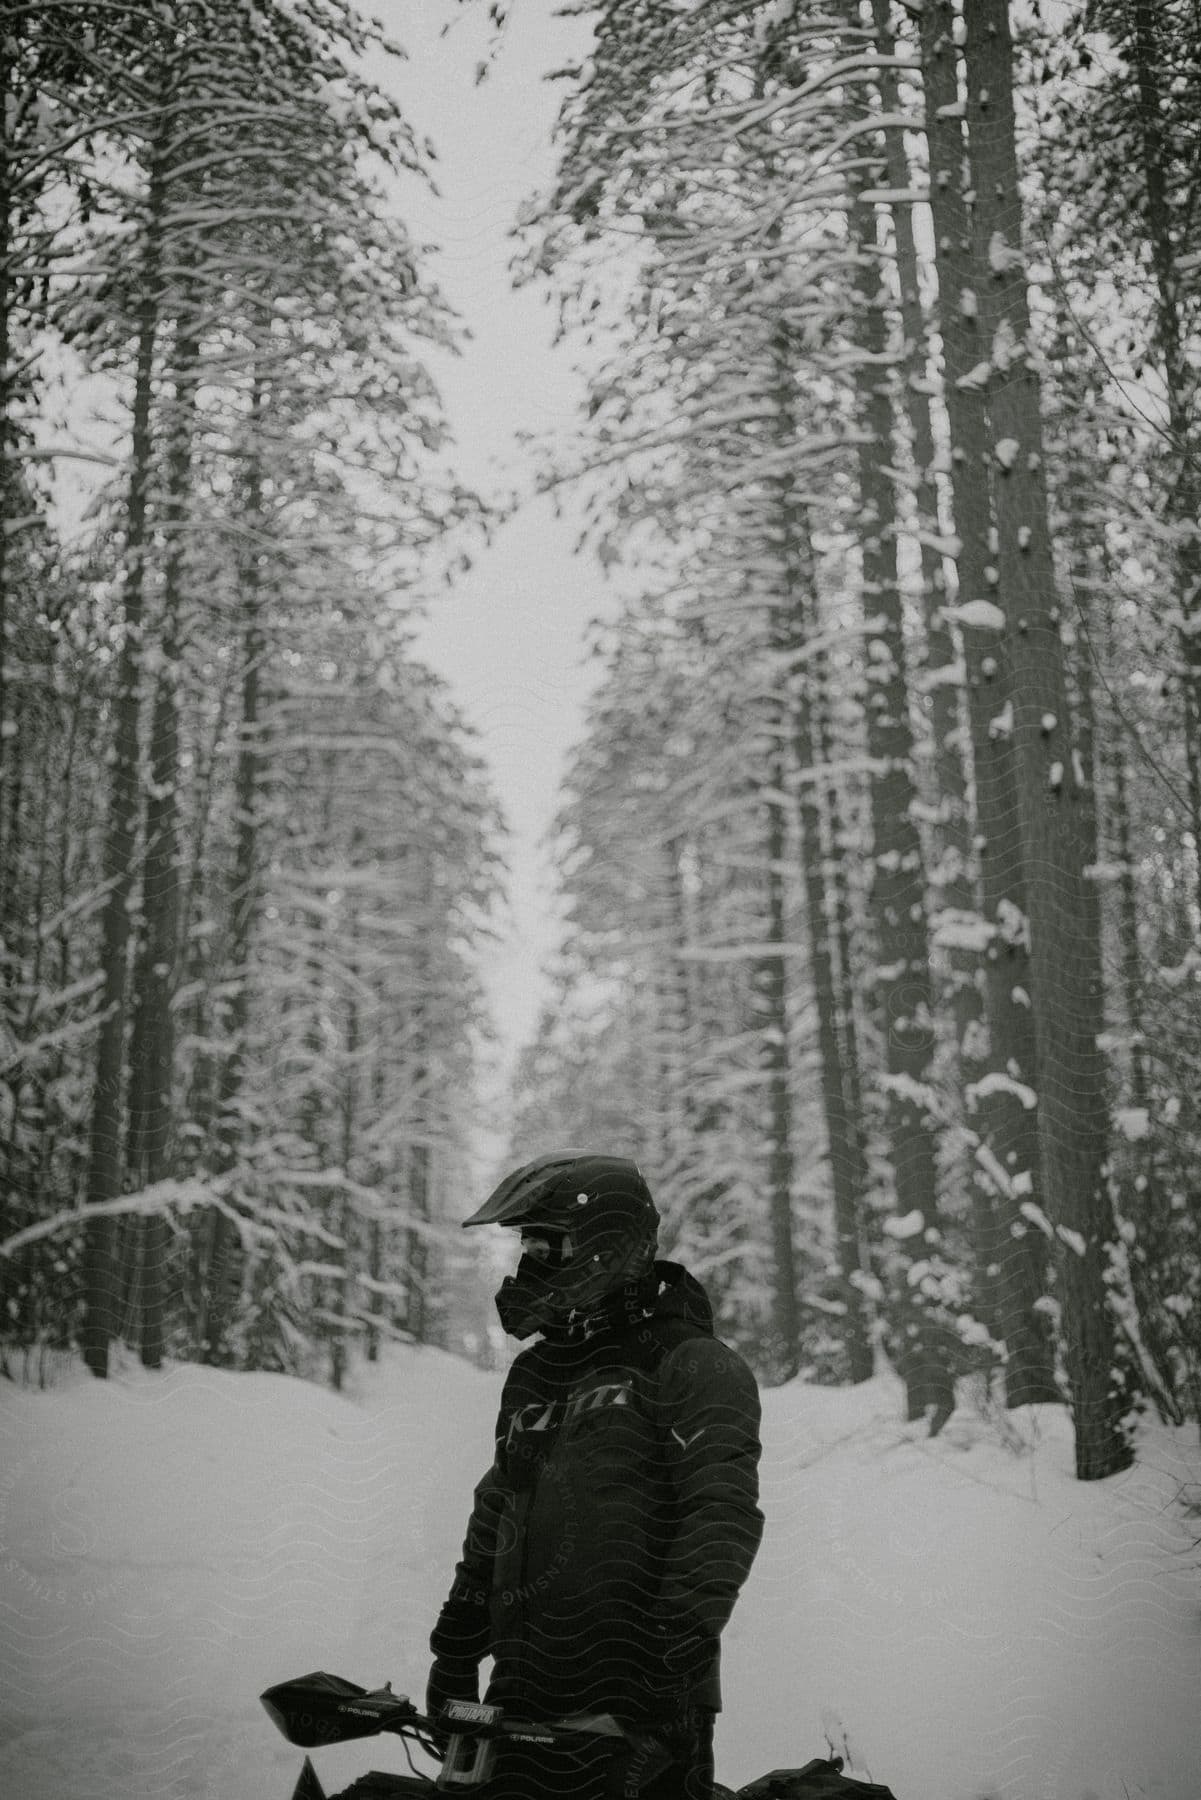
<point x="527" y="1301"/>
<point x="532" y="1300"/>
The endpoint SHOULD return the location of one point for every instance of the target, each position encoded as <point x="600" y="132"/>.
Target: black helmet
<point x="592" y="1225"/>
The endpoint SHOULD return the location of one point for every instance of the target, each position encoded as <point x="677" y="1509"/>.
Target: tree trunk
<point x="9" y="52"/>
<point x="709" y="1201"/>
<point x="1184" y="509"/>
<point x="770" y="985"/>
<point x="673" y="1025"/>
<point x="1136" y="1172"/>
<point x="417" y="1319"/>
<point x="1055" y="798"/>
<point x="898" y="888"/>
<point x="220" y="1270"/>
<point x="346" y="1150"/>
<point x="375" y="1263"/>
<point x="837" y="1052"/>
<point x="417" y="1259"/>
<point x="999" y="1063"/>
<point x="802" y="673"/>
<point x="375" y="1229"/>
<point x="104" y="1183"/>
<point x="940" y="684"/>
<point x="1112" y="759"/>
<point x="152" y="1046"/>
<point x="837" y="899"/>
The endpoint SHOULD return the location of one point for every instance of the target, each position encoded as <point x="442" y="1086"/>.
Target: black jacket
<point x="610" y="1538"/>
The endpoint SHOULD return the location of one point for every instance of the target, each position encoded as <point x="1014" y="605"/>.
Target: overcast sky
<point x="510" y="637"/>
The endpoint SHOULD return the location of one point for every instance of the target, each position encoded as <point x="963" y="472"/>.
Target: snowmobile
<point x="318" y="1709"/>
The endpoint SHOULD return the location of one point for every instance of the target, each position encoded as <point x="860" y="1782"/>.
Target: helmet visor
<point x="550" y="1189"/>
<point x="521" y="1193"/>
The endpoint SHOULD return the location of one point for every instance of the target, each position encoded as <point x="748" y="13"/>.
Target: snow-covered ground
<point x="970" y="1620"/>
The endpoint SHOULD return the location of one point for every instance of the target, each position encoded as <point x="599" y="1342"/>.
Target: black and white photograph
<point x="600" y="900"/>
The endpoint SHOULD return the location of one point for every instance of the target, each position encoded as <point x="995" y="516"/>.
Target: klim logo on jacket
<point x="552" y="1415"/>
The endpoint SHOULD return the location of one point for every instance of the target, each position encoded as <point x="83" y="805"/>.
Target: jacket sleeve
<point x="710" y="1421"/>
<point x="463" y="1631"/>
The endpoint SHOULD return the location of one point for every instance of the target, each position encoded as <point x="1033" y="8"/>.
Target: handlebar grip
<point x="469" y="1760"/>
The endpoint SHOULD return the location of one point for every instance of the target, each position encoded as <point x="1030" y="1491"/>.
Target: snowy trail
<point x="967" y="1617"/>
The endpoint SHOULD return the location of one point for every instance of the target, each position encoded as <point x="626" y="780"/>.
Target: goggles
<point x="552" y="1249"/>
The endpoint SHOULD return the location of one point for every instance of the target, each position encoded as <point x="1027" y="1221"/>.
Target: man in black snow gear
<point x="610" y="1538"/>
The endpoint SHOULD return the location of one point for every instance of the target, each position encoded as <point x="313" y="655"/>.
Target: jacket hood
<point x="681" y="1296"/>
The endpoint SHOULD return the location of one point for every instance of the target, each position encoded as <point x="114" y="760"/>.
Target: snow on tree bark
<point x="951" y="864"/>
<point x="1011" y="1259"/>
<point x="898" y="901"/>
<point x="1055" y="799"/>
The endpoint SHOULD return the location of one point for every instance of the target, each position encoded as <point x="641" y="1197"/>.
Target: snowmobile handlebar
<point x="319" y="1709"/>
<point x="323" y="1709"/>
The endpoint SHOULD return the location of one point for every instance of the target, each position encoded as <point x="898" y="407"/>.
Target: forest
<point x="878" y="854"/>
<point x="247" y="840"/>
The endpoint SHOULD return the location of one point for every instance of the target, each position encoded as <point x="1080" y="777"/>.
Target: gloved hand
<point x="665" y="1735"/>
<point x="684" y="1652"/>
<point x="450" y="1678"/>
